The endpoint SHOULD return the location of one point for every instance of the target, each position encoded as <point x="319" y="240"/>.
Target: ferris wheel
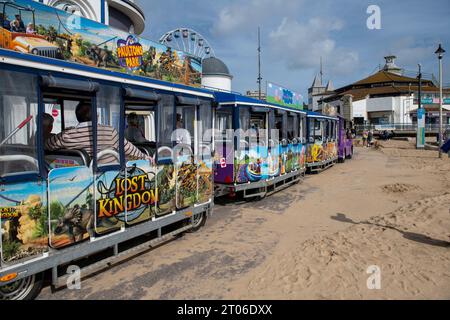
<point x="189" y="41"/>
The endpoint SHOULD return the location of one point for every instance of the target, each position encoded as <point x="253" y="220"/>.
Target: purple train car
<point x="345" y="141"/>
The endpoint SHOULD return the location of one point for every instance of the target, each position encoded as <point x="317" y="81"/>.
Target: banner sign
<point x="284" y="97"/>
<point x="130" y="53"/>
<point x="429" y="100"/>
<point x="53" y="33"/>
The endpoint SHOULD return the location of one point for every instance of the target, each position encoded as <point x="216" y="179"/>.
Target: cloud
<point x="411" y="52"/>
<point x="244" y="16"/>
<point x="302" y="44"/>
<point x="295" y="33"/>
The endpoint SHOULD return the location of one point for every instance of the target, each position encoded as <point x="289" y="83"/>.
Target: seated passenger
<point x="133" y="133"/>
<point x="81" y="138"/>
<point x="47" y="126"/>
<point x="182" y="136"/>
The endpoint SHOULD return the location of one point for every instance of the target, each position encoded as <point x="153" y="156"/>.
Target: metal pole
<point x="420" y="86"/>
<point x="259" y="63"/>
<point x="441" y="133"/>
<point x="419" y="112"/>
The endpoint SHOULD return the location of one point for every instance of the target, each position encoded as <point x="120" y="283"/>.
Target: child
<point x="365" y="136"/>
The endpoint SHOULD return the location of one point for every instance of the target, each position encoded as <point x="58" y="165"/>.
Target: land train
<point x="60" y="205"/>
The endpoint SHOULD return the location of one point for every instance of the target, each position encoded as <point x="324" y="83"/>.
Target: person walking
<point x="364" y="137"/>
<point x="370" y="138"/>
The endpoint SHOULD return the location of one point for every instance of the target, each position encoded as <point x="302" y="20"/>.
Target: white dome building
<point x="216" y="75"/>
<point x="125" y="15"/>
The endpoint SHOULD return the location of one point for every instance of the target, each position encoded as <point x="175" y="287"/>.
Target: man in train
<point x="182" y="135"/>
<point x="47" y="124"/>
<point x="133" y="133"/>
<point x="81" y="138"/>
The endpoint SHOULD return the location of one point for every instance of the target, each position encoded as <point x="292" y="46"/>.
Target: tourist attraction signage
<point x="59" y="35"/>
<point x="283" y="96"/>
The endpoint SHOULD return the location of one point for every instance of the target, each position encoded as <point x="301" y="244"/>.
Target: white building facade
<point x="387" y="97"/>
<point x="125" y="15"/>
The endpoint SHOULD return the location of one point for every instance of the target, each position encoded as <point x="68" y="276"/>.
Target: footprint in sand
<point x="399" y="188"/>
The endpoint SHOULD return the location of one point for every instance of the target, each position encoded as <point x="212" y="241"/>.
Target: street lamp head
<point x="440" y="52"/>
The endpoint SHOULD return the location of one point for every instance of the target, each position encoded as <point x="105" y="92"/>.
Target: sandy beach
<point x="388" y="207"/>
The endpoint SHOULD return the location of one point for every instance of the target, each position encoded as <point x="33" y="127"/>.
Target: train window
<point x="108" y="115"/>
<point x="311" y="127"/>
<point x="244" y="125"/>
<point x="334" y="132"/>
<point x="258" y="129"/>
<point x="70" y="119"/>
<point x="185" y="119"/>
<point x="53" y="118"/>
<point x="280" y="125"/>
<point x="244" y="118"/>
<point x="140" y="124"/>
<point x="224" y="124"/>
<point x="62" y="111"/>
<point x="302" y="128"/>
<point x="292" y="127"/>
<point x="332" y="129"/>
<point x="18" y="109"/>
<point x="166" y="122"/>
<point x="204" y="128"/>
<point x="318" y="130"/>
<point x="74" y="149"/>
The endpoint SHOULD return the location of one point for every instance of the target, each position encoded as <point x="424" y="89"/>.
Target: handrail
<point x="28" y="159"/>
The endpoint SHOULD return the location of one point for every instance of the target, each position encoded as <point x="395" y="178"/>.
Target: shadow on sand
<point x="407" y="235"/>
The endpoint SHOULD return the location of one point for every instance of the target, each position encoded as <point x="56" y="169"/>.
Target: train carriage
<point x="260" y="147"/>
<point x="345" y="140"/>
<point x="60" y="206"/>
<point x="322" y="136"/>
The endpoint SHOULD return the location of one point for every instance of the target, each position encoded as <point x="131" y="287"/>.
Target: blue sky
<point x="296" y="32"/>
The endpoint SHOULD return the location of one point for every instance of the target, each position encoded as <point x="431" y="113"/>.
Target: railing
<point x="399" y="127"/>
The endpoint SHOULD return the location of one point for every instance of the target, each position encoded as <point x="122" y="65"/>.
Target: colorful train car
<point x="60" y="203"/>
<point x="259" y="147"/>
<point x="322" y="136"/>
<point x="345" y="140"/>
<point x="95" y="153"/>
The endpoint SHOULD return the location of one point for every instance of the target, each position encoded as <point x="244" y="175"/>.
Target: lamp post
<point x="420" y="140"/>
<point x="440" y="53"/>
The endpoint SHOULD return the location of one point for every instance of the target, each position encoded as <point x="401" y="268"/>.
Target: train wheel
<point x="24" y="289"/>
<point x="198" y="223"/>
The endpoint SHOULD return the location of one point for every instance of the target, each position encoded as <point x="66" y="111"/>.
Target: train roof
<point x="236" y="98"/>
<point x="313" y="114"/>
<point x="44" y="64"/>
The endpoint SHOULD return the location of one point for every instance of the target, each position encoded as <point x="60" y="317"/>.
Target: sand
<point x="388" y="207"/>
